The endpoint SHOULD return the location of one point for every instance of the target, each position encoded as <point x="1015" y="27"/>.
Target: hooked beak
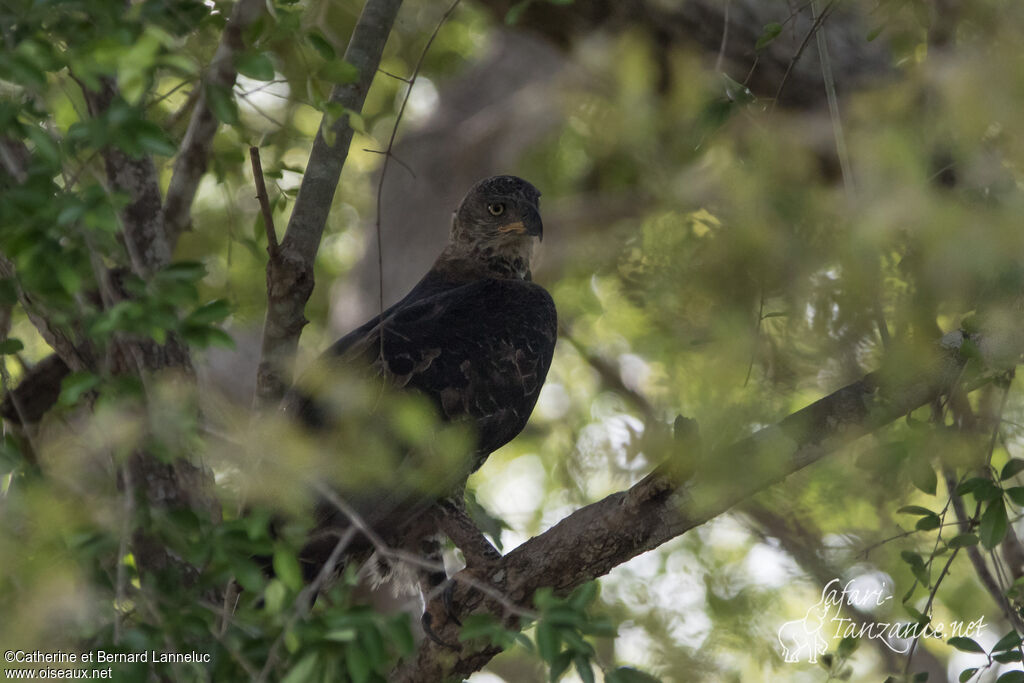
<point x="530" y="224"/>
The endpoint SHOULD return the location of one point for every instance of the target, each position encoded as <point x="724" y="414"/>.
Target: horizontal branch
<point x="595" y="539"/>
<point x="194" y="153"/>
<point x="290" y="277"/>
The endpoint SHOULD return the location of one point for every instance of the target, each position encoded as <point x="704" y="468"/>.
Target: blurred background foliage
<point x="719" y="245"/>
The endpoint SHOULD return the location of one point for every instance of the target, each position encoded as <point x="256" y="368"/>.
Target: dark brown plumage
<point x="475" y="336"/>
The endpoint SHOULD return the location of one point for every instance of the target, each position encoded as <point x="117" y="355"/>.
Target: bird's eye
<point x="496" y="209"/>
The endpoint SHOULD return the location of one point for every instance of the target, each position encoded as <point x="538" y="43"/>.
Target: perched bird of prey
<point x="475" y="336"/>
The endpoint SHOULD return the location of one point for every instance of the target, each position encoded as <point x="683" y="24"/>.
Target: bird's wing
<point x="479" y="351"/>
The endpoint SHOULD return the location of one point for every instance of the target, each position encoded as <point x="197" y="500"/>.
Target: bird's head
<point x="499" y="214"/>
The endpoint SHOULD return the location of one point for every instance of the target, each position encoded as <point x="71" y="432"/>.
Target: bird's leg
<point x="431" y="579"/>
<point x="454" y="522"/>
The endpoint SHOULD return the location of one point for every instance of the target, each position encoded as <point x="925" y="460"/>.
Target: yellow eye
<point x="496" y="209"/>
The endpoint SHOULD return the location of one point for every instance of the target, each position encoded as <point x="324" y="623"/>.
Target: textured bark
<point x="595" y="539"/>
<point x="290" y="276"/>
<point x="141" y="221"/>
<point x="194" y="153"/>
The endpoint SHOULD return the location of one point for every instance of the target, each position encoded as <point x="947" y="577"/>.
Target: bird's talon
<point x="448" y="601"/>
<point x="427" y="622"/>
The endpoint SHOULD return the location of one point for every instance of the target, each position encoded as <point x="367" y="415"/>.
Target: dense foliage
<point x="714" y="252"/>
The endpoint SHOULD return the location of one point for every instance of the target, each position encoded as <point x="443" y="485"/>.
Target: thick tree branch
<point x="595" y="539"/>
<point x="290" y="278"/>
<point x="194" y="153"/>
<point x="141" y="219"/>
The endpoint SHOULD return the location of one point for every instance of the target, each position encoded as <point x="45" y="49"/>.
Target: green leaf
<point x="986" y="490"/>
<point x="1010" y="640"/>
<point x="847" y="646"/>
<point x="911" y="558"/>
<point x="967" y="674"/>
<point x="211" y="312"/>
<point x="76" y="384"/>
<point x="255" y="65"/>
<point x="1013" y="467"/>
<point x="222" y="103"/>
<point x="917" y="567"/>
<point x="304" y="670"/>
<point x="341" y="635"/>
<point x="548" y="641"/>
<point x="969" y="350"/>
<point x="516" y="12"/>
<point x="993" y="524"/>
<point x="970" y="485"/>
<point x="357" y="663"/>
<point x="10" y="346"/>
<point x="321" y="45"/>
<point x="1016" y="494"/>
<point x="372" y="645"/>
<point x="923" y="476"/>
<point x="1011" y="677"/>
<point x="286" y="567"/>
<point x="576" y="643"/>
<point x="10" y="454"/>
<point x="920" y="677"/>
<point x="275" y="596"/>
<point x="962" y="541"/>
<point x="151" y="138"/>
<point x="584" y="668"/>
<point x="183" y="271"/>
<point x="249" y="576"/>
<point x="583" y="596"/>
<point x="204" y="336"/>
<point x="914" y="510"/>
<point x="771" y="32"/>
<point x="627" y="674"/>
<point x="928" y="523"/>
<point x="339" y="71"/>
<point x="558" y="667"/>
<point x="400" y="635"/>
<point x="966" y="645"/>
<point x="1007" y="657"/>
<point x="44" y="144"/>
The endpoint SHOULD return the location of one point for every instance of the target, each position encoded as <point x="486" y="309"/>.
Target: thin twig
<point x="974" y="555"/>
<point x="865" y="552"/>
<point x="387" y="157"/>
<point x="725" y="38"/>
<point x="395" y="76"/>
<point x="833" y="108"/>
<point x="928" y="607"/>
<point x="803" y="45"/>
<point x="387" y="552"/>
<point x="304" y="600"/>
<point x="404" y="165"/>
<point x="261" y="194"/>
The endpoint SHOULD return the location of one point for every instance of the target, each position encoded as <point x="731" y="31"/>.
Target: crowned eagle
<point x="475" y="336"/>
